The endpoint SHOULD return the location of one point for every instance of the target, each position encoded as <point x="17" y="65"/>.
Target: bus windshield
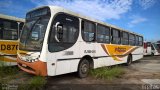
<point x="33" y="33"/>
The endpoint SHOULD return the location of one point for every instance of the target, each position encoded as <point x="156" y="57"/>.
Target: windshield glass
<point x="156" y="46"/>
<point x="33" y="33"/>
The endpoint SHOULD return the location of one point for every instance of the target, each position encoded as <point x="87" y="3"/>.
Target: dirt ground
<point x="136" y="76"/>
<point x="139" y="75"/>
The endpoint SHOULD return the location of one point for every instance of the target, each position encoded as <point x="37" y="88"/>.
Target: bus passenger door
<point x="63" y="43"/>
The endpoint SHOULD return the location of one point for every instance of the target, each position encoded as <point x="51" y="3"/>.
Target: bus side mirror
<point x="58" y="32"/>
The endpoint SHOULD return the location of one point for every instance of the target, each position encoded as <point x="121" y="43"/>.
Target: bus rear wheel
<point x="83" y="68"/>
<point x="129" y="60"/>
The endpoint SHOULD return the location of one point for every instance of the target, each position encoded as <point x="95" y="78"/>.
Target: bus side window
<point x="88" y="31"/>
<point x="131" y="39"/>
<point x="65" y="28"/>
<point x="64" y="32"/>
<point x="140" y="41"/>
<point x="115" y="36"/>
<point x="125" y="38"/>
<point x="103" y="34"/>
<point x="9" y="30"/>
<point x="137" y="40"/>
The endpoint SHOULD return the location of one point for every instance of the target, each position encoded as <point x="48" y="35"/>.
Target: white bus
<point x="151" y="49"/>
<point x="10" y="28"/>
<point x="57" y="41"/>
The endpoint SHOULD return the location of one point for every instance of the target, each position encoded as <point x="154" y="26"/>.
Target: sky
<point x="140" y="16"/>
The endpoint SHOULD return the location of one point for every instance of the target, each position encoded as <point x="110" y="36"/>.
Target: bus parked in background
<point x="151" y="49"/>
<point x="56" y="41"/>
<point x="10" y="28"/>
<point x="156" y="49"/>
<point x="158" y="44"/>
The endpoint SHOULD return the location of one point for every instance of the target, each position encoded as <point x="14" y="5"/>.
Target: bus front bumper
<point x="36" y="68"/>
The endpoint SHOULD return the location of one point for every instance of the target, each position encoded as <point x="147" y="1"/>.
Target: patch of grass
<point x="107" y="72"/>
<point x="9" y="73"/>
<point x="37" y="82"/>
<point x="7" y="70"/>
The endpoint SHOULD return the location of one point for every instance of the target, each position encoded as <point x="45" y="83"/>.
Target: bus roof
<point x="61" y="9"/>
<point x="12" y="18"/>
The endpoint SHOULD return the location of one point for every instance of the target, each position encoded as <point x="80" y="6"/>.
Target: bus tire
<point x="83" y="68"/>
<point x="129" y="60"/>
<point x="152" y="54"/>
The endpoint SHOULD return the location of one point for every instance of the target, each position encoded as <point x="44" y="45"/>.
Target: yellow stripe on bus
<point x="8" y="47"/>
<point x="3" y="58"/>
<point x="118" y="51"/>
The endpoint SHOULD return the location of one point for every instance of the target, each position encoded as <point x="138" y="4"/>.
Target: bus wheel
<point x="83" y="68"/>
<point x="152" y="54"/>
<point x="129" y="60"/>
